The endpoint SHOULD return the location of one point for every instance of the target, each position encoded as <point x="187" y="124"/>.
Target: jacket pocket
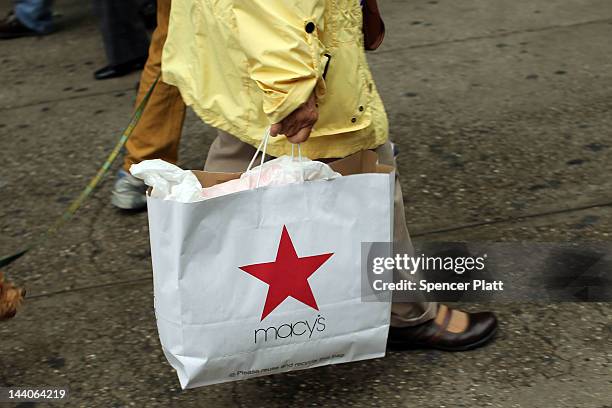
<point x="345" y="106"/>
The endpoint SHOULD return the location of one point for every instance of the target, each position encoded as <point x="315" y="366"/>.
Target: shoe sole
<point x="403" y="346"/>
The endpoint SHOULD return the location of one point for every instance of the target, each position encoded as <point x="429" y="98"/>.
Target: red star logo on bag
<point x="287" y="275"/>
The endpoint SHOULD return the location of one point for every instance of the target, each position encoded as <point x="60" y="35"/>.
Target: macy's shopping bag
<point x="268" y="280"/>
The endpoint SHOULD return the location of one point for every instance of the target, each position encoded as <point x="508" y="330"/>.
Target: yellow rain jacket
<point x="245" y="64"/>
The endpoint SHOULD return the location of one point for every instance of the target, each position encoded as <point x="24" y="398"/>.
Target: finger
<point x="276" y="129"/>
<point x="294" y="124"/>
<point x="301" y="136"/>
<point x="291" y="125"/>
<point x="291" y="131"/>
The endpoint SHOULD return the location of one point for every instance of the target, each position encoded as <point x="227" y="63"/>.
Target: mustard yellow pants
<point x="158" y="133"/>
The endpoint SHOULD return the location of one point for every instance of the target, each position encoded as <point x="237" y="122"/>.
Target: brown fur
<point x="11" y="298"/>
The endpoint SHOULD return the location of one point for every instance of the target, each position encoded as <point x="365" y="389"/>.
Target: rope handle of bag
<point x="262" y="148"/>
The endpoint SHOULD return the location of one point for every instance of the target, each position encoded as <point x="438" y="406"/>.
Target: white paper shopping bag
<point x="268" y="280"/>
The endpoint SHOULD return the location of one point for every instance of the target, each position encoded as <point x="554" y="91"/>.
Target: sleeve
<point x="285" y="55"/>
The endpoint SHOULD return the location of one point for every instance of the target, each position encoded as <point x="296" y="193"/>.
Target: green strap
<point x="95" y="181"/>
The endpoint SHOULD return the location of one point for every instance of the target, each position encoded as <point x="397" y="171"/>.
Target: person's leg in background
<point x="125" y="37"/>
<point x="412" y="313"/>
<point x="228" y="154"/>
<point x="29" y="17"/>
<point x="158" y="133"/>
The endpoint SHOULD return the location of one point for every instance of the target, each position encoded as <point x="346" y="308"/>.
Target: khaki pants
<point x="158" y="133"/>
<point x="228" y="154"/>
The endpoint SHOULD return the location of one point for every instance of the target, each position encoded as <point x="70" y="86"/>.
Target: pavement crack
<point x="68" y="98"/>
<point x="496" y="35"/>
<point x="512" y="219"/>
<point x="85" y="288"/>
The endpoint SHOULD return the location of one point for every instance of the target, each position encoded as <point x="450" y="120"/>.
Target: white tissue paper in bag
<point x="277" y="172"/>
<point x="170" y="182"/>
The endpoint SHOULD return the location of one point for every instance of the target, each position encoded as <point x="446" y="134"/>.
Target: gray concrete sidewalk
<point x="501" y="110"/>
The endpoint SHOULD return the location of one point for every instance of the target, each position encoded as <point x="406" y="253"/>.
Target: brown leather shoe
<point x="480" y="330"/>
